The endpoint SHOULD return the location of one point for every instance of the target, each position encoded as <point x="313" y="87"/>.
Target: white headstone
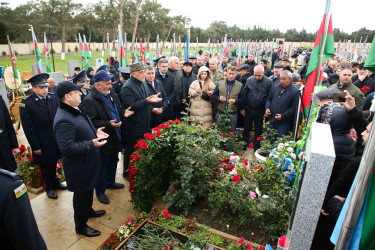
<point x="71" y="66"/>
<point x="35" y="69"/>
<point x="3" y="92"/>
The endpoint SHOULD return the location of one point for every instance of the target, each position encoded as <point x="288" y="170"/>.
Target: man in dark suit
<point x="82" y="78"/>
<point x="166" y="77"/>
<point x="37" y="112"/>
<point x="135" y="94"/>
<point x="155" y="87"/>
<point x="104" y="109"/>
<point x="18" y="228"/>
<point x="79" y="142"/>
<point x="124" y="75"/>
<point x="8" y="140"/>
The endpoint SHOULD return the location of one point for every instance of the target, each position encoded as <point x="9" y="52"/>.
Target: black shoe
<point x="97" y="213"/>
<point x="103" y="198"/>
<point x="51" y="194"/>
<point x="88" y="232"/>
<point x="61" y="186"/>
<point x="116" y="186"/>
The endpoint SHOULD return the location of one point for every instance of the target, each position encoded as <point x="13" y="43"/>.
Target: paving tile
<point x="118" y="216"/>
<point x="83" y="244"/>
<point x="105" y="233"/>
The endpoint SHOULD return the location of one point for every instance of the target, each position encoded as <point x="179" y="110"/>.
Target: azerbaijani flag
<point x="108" y="50"/>
<point x="81" y="48"/>
<point x="46" y="53"/>
<point x="86" y="54"/>
<point x="37" y="54"/>
<point x="226" y="50"/>
<point x="136" y="52"/>
<point x="239" y="54"/>
<point x="196" y="50"/>
<point x="370" y="60"/>
<point x="208" y="45"/>
<point x="312" y="70"/>
<point x="122" y="52"/>
<point x="14" y="61"/>
<point x="157" y="46"/>
<point x="187" y="47"/>
<point x="141" y="49"/>
<point x="145" y="53"/>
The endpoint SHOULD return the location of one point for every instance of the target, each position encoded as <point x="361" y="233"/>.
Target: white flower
<point x="286" y="144"/>
<point x="290" y="149"/>
<point x="293" y="155"/>
<point x="234" y="172"/>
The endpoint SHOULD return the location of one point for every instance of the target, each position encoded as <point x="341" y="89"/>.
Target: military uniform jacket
<point x="37" y="122"/>
<point x="18" y="228"/>
<point x="8" y="139"/>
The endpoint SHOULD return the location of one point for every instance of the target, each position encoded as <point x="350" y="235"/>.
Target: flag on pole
<point x="368" y="231"/>
<point x="370" y="60"/>
<point x="145" y="53"/>
<point x="239" y="54"/>
<point x="126" y="48"/>
<point x="187" y="46"/>
<point x="81" y="48"/>
<point x="157" y="46"/>
<point x="208" y="44"/>
<point x="136" y="52"/>
<point x="226" y="49"/>
<point x="14" y="61"/>
<point x="37" y="55"/>
<point x="121" y="47"/>
<point x="312" y="70"/>
<point x="197" y="48"/>
<point x="109" y="50"/>
<point x="46" y="53"/>
<point x="86" y="54"/>
<point x="141" y="50"/>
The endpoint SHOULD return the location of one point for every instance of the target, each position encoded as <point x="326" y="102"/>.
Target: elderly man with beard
<point x="135" y="94"/>
<point x="103" y="107"/>
<point x="256" y="90"/>
<point x="345" y="83"/>
<point x="224" y="63"/>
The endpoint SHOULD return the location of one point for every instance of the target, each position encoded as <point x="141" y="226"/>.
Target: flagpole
<point x="32" y="36"/>
<point x="14" y="73"/>
<point x="50" y="33"/>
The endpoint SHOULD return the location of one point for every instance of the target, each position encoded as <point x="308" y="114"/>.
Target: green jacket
<point x="353" y="91"/>
<point x="134" y="94"/>
<point x="217" y="76"/>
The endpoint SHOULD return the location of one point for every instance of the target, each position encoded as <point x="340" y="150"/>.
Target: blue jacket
<point x="282" y="103"/>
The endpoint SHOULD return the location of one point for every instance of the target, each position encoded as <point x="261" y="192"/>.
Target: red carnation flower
<point x="136" y="157"/>
<point x="31" y="159"/>
<point x="22" y="148"/>
<point x="166" y="126"/>
<point x="27" y="155"/>
<point x="165" y="214"/>
<point x="231" y="133"/>
<point x="177" y="121"/>
<point x="144" y="146"/>
<point x="236" y="178"/>
<point x="365" y="88"/>
<point x="158" y="133"/>
<point x="259" y="138"/>
<point x="151" y="137"/>
<point x="251" y="145"/>
<point x="136" y="145"/>
<point x="131" y="156"/>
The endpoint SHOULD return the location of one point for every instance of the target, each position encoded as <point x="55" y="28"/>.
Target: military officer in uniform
<point x="37" y="113"/>
<point x="82" y="78"/>
<point x="18" y="228"/>
<point x="8" y="140"/>
<point x="124" y="76"/>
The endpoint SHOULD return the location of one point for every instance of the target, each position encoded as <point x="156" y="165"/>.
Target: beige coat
<point x="201" y="109"/>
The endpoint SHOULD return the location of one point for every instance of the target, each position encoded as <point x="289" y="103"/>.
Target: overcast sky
<point x="347" y="15"/>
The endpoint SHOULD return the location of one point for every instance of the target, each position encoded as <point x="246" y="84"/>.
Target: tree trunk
<point x="166" y="39"/>
<point x="114" y="38"/>
<point x="90" y="38"/>
<point x="63" y="34"/>
<point x="139" y="2"/>
<point x="148" y="39"/>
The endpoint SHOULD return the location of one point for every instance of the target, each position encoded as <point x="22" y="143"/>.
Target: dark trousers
<point x="48" y="175"/>
<point x="109" y="163"/>
<point x="82" y="206"/>
<point x="283" y="128"/>
<point x="256" y="116"/>
<point x="177" y="110"/>
<point x="129" y="149"/>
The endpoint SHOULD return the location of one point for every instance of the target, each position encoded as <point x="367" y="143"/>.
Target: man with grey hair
<point x="103" y="107"/>
<point x="176" y="99"/>
<point x="256" y="91"/>
<point x="281" y="104"/>
<point x="217" y="75"/>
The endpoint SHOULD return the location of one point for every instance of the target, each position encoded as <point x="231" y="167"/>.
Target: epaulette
<point x="8" y="173"/>
<point x="28" y="97"/>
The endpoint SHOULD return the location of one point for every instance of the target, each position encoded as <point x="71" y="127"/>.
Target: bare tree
<point x="119" y="7"/>
<point x="166" y="39"/>
<point x="139" y="3"/>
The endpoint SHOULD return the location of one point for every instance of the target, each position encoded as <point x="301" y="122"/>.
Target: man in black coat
<point x="104" y="109"/>
<point x="187" y="78"/>
<point x="250" y="61"/>
<point x="166" y="77"/>
<point x="244" y="72"/>
<point x="154" y="87"/>
<point x="364" y="83"/>
<point x="136" y="96"/>
<point x="256" y="90"/>
<point x="286" y="66"/>
<point x="79" y="142"/>
<point x="267" y="71"/>
<point x="275" y="78"/>
<point x="124" y="75"/>
<point x="8" y="140"/>
<point x="37" y="112"/>
<point x="18" y="228"/>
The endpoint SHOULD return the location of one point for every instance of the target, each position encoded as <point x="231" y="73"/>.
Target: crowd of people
<point x="87" y="120"/>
